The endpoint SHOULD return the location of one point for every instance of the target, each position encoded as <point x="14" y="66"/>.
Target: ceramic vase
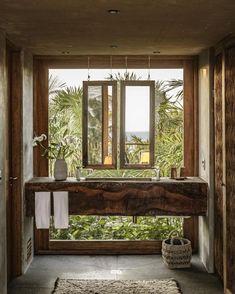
<point x="60" y="170"/>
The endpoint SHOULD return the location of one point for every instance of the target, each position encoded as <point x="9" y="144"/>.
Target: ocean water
<point x="143" y="135"/>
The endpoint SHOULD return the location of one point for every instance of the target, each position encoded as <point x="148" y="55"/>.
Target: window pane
<point x="137" y="123"/>
<point x="110" y="123"/>
<point x="107" y="125"/>
<point x="94" y="124"/>
<point x="98" y="124"/>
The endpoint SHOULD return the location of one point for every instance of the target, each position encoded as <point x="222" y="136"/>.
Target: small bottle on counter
<point x="182" y="172"/>
<point x="78" y="173"/>
<point x="173" y="172"/>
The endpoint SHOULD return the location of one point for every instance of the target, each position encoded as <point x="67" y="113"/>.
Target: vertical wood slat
<point x="225" y="167"/>
<point x="191" y="138"/>
<point x="40" y="125"/>
<point x="190" y="118"/>
<point x="16" y="157"/>
<point x="40" y="113"/>
<point x="218" y="245"/>
<point x="8" y="168"/>
<point x="223" y="183"/>
<point x="229" y="204"/>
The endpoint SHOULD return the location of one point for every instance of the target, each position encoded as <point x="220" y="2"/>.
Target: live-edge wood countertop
<point x="125" y="197"/>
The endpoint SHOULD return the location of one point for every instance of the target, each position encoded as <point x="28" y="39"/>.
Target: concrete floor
<point x="44" y="270"/>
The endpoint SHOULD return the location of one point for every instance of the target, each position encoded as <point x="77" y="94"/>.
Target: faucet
<point x="82" y="173"/>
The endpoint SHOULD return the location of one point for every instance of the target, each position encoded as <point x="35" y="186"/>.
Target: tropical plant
<point x="127" y="76"/>
<point x="61" y="149"/>
<point x="117" y="228"/>
<point x="55" y="85"/>
<point x="169" y="125"/>
<point x="65" y="115"/>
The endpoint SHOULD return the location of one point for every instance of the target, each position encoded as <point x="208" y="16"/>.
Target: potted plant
<point x="58" y="151"/>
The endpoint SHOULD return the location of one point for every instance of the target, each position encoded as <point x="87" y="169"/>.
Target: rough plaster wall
<point x="3" y="99"/>
<point x="27" y="59"/>
<point x="206" y="224"/>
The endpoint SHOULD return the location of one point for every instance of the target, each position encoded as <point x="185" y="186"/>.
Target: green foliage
<point x="127" y="76"/>
<point x="65" y="115"/>
<point x="169" y="126"/>
<point x="117" y="228"/>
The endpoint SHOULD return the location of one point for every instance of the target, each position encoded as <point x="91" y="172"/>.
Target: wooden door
<point x="14" y="156"/>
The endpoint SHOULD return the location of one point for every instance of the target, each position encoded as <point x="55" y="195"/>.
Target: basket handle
<point x="173" y="233"/>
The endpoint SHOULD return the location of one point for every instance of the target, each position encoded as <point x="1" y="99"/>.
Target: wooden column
<point x="15" y="141"/>
<point x="191" y="138"/>
<point x="40" y="125"/>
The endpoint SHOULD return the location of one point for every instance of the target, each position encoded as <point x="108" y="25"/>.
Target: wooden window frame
<point x="41" y="66"/>
<point x="85" y="124"/>
<point x="124" y="84"/>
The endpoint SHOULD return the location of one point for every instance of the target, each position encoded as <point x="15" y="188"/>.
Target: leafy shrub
<point x="117" y="228"/>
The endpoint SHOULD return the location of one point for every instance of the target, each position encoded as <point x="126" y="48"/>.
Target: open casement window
<point x="99" y="124"/>
<point x="137" y="126"/>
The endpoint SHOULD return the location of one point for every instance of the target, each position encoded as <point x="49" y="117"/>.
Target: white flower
<point x="38" y="139"/>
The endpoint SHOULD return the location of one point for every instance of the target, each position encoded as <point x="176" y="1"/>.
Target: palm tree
<point x="55" y="85"/>
<point x="65" y="113"/>
<point x="169" y="126"/>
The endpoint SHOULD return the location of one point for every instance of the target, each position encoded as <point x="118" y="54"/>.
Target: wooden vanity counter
<point x="126" y="197"/>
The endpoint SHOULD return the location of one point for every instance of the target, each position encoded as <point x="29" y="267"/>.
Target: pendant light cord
<point x="149" y="66"/>
<point x="88" y="69"/>
<point x="111" y="67"/>
<point x="126" y="73"/>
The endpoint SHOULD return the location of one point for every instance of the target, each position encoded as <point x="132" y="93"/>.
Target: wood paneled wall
<point x="218" y="167"/>
<point x="224" y="77"/>
<point x="229" y="211"/>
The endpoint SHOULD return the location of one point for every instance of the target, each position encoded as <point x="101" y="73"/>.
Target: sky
<point x="137" y="109"/>
<point x="138" y="119"/>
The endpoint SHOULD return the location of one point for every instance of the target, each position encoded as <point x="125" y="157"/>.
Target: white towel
<point x="42" y="209"/>
<point x="61" y="210"/>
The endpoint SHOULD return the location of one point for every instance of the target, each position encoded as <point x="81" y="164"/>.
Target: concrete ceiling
<point x="141" y="27"/>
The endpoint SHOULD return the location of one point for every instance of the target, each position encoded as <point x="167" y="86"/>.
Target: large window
<point x="175" y="140"/>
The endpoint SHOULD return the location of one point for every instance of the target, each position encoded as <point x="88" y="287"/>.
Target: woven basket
<point x="176" y="251"/>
